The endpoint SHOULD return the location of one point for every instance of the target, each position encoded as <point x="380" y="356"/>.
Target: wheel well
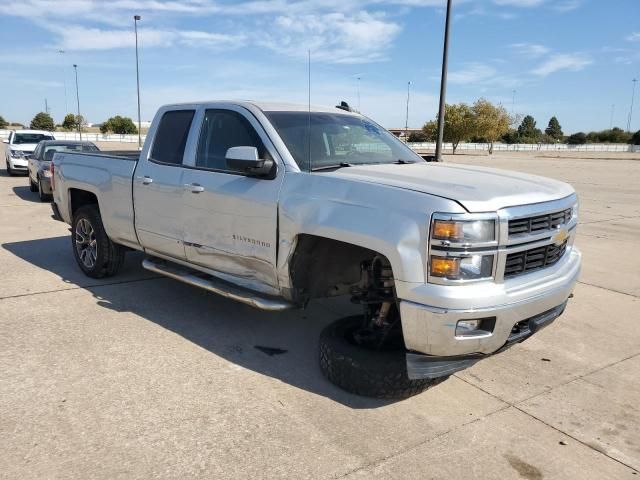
<point x="323" y="267"/>
<point x="80" y="198"/>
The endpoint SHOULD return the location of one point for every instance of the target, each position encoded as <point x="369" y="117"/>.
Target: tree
<point x="617" y="135"/>
<point x="42" y="121"/>
<point x="527" y="131"/>
<point x="459" y="123"/>
<point x="614" y="135"/>
<point x="490" y="121"/>
<point x="3" y="123"/>
<point x="430" y="130"/>
<point x="634" y="140"/>
<point x="417" y="137"/>
<point x="120" y="125"/>
<point x="511" y="136"/>
<point x="579" y="138"/>
<point x="72" y="121"/>
<point x="554" y="130"/>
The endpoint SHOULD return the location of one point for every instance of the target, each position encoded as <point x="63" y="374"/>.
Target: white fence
<point x="91" y="137"/>
<point x="528" y="147"/>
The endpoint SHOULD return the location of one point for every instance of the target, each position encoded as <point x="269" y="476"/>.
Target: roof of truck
<point x="43" y="132"/>
<point x="274" y="106"/>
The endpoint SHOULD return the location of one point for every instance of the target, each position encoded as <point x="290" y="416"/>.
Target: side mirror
<point x="246" y="160"/>
<point x="5" y="141"/>
<point x="48" y="155"/>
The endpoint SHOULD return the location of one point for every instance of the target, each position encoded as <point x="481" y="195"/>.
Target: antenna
<point x="309" y="110"/>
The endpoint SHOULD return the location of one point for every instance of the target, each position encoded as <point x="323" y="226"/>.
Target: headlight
<point x="464" y="231"/>
<point x="574" y="212"/>
<point x="471" y="267"/>
<point x="17" y="153"/>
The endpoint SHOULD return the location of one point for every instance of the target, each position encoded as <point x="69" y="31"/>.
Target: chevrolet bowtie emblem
<point x="561" y="236"/>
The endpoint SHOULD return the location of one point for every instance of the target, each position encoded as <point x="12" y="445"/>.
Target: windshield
<point x="337" y="140"/>
<point x="22" y="138"/>
<point x="84" y="147"/>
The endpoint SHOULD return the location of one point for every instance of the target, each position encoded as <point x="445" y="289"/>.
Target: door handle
<point x="146" y="180"/>
<point x="195" y="187"/>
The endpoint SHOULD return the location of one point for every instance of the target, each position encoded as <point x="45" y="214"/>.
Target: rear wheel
<point x="33" y="187"/>
<point x="44" y="197"/>
<point x="359" y="369"/>
<point x="96" y="254"/>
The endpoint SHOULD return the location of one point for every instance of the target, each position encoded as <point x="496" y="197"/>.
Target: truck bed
<point x="107" y="175"/>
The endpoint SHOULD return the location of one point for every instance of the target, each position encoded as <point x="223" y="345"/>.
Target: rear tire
<point x="96" y="254"/>
<point x="44" y="197"/>
<point x="371" y="373"/>
<point x="33" y="187"/>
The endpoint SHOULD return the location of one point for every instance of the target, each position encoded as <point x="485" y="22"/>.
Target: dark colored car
<point x="40" y="161"/>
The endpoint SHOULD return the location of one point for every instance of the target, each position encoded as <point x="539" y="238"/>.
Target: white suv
<point x="21" y="144"/>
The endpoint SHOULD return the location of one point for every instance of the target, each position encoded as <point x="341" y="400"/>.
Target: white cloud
<point x="81" y="38"/>
<point x="530" y="49"/>
<point x="519" y="3"/>
<point x="471" y="73"/>
<point x="332" y="37"/>
<point x="634" y="37"/>
<point x="562" y="61"/>
<point x="567" y="5"/>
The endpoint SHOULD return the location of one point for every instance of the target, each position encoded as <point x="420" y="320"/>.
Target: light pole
<point x="443" y="83"/>
<point x="135" y="26"/>
<point x="64" y="81"/>
<point x="406" y="118"/>
<point x="613" y="109"/>
<point x="359" y="78"/>
<point x="75" y="67"/>
<point x="633" y="94"/>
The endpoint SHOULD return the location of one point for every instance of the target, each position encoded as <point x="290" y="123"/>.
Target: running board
<point x="212" y="284"/>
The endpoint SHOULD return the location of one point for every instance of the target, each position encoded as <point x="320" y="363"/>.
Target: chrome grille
<point x="538" y="223"/>
<point x="533" y="259"/>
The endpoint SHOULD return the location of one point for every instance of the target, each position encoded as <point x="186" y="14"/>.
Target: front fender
<point x="389" y="220"/>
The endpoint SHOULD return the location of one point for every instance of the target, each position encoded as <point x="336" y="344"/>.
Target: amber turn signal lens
<point x="443" y="230"/>
<point x="445" y="267"/>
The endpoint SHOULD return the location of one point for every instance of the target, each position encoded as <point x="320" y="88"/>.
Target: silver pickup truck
<point x="275" y="205"/>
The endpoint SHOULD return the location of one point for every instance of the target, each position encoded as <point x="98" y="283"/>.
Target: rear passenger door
<point x="158" y="186"/>
<point x="230" y="220"/>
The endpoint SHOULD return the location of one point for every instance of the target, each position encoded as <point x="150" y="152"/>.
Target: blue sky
<point x="569" y="58"/>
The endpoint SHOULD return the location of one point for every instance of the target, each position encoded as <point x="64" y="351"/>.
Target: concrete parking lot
<point x="143" y="377"/>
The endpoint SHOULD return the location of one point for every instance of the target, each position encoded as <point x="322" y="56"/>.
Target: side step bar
<point x="212" y="284"/>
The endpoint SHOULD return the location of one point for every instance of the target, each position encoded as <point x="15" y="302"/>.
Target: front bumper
<point x="429" y="366"/>
<point x="17" y="163"/>
<point x="430" y="330"/>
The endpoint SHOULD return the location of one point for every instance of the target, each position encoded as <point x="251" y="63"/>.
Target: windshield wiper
<point x="403" y="162"/>
<point x="330" y="167"/>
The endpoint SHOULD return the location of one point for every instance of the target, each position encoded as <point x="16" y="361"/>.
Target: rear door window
<point x="171" y="137"/>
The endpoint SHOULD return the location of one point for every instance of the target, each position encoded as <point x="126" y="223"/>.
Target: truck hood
<point x="477" y="189"/>
<point x="25" y="147"/>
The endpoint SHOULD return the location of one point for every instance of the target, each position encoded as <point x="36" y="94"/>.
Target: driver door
<point x="230" y="220"/>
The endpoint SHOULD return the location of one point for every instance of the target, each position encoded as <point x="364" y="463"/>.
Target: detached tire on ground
<point x="96" y="254"/>
<point x="367" y="372"/>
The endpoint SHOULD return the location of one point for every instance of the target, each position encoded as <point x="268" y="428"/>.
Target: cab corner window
<point x="171" y="137"/>
<point x="221" y="130"/>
